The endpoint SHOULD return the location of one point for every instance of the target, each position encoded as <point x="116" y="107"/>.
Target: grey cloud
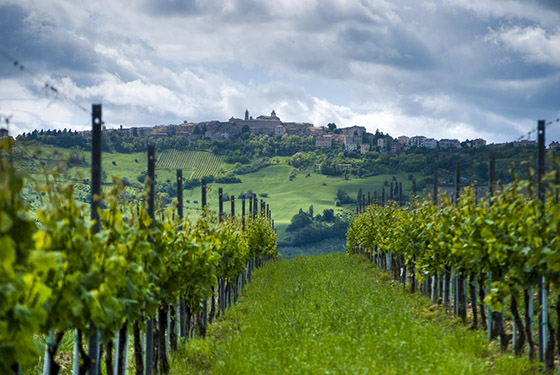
<point x="43" y="43"/>
<point x="399" y="48"/>
<point x="550" y="4"/>
<point x="46" y="48"/>
<point x="386" y="53"/>
<point x="231" y="11"/>
<point x="172" y="7"/>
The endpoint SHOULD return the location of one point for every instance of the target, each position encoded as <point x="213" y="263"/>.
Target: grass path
<point x="335" y="314"/>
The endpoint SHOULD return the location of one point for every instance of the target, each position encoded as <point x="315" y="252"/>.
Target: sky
<point x="460" y="69"/>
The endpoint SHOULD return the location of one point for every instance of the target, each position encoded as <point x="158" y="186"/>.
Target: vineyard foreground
<point x="338" y="314"/>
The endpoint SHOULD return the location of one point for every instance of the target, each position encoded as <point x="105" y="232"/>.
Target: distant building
<point x="449" y="143"/>
<point x="364" y="147"/>
<point x="272" y="117"/>
<point x="395" y="147"/>
<point x="123" y="132"/>
<point x="381" y="143"/>
<point x="479" y="142"/>
<point x="341" y="139"/>
<point x="524" y="142"/>
<point x="298" y="128"/>
<point x="319" y="130"/>
<point x="355" y="130"/>
<point x="404" y="140"/>
<point x="430" y="143"/>
<point x="348" y="139"/>
<point x="280" y="130"/>
<point x="350" y="143"/>
<point x="4" y="133"/>
<point x="417" y="141"/>
<point x="271" y="125"/>
<point x="324" y="140"/>
<point x="351" y="146"/>
<point x="554" y="146"/>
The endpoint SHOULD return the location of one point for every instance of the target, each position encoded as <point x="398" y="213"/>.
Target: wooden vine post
<point x="151" y="214"/>
<point x="182" y="306"/>
<point x="93" y="341"/>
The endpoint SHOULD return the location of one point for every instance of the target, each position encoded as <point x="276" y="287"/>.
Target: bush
<point x="227" y="180"/>
<point x="241" y="159"/>
<point x="343" y="198"/>
<point x="189" y="184"/>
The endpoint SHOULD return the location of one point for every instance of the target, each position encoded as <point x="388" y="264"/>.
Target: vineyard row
<point x="64" y="272"/>
<point x="495" y="251"/>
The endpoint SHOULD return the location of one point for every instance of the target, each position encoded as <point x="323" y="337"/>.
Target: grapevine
<point x="57" y="275"/>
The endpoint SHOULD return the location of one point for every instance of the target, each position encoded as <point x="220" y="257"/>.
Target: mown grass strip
<point x="335" y="314"/>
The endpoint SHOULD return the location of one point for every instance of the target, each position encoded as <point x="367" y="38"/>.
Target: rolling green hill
<point x="285" y="196"/>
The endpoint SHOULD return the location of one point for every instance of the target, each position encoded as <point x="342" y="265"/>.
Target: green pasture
<point x="286" y="197"/>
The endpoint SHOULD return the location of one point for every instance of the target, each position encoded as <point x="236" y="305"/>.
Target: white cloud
<point x="507" y="9"/>
<point x="29" y="112"/>
<point x="534" y="44"/>
<point x="424" y="66"/>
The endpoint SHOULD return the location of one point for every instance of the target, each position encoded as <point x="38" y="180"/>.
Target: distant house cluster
<point x="271" y="125"/>
<point x="221" y="130"/>
<point x="353" y="138"/>
<point x="356" y="138"/>
<point x="420" y="141"/>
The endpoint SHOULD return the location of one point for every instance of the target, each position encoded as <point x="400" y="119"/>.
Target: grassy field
<point x="335" y="314"/>
<point x="330" y="245"/>
<point x="286" y="197"/>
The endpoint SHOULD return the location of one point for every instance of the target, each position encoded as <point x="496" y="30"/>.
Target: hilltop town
<point x="353" y="138"/>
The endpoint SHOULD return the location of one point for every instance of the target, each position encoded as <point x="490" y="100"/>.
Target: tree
<point x="343" y="197"/>
<point x="302" y="160"/>
<point x="328" y="215"/>
<point x="299" y="221"/>
<point x="331" y="126"/>
<point x="327" y="168"/>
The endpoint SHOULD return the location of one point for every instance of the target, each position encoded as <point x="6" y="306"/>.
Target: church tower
<point x="246" y="114"/>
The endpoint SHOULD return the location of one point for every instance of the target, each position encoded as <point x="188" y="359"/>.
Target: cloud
<point x="42" y="43"/>
<point x="510" y="10"/>
<point x="533" y="44"/>
<point x="455" y="67"/>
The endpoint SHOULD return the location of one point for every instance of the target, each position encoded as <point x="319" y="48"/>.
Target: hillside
<point x="336" y="314"/>
<point x="288" y="172"/>
<point x="285" y="195"/>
